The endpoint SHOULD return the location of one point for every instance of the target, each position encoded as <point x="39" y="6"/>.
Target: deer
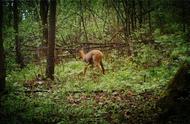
<point x="93" y="58"/>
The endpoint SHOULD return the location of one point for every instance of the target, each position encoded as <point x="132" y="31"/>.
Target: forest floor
<point x="127" y="93"/>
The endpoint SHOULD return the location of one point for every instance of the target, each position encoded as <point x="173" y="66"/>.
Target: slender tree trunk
<point x="128" y="16"/>
<point x="127" y="26"/>
<point x="51" y="40"/>
<point x="44" y="15"/>
<point x="132" y="16"/>
<point x="149" y="17"/>
<point x="183" y="16"/>
<point x="124" y="2"/>
<point x="135" y="15"/>
<point x="10" y="15"/>
<point x="19" y="58"/>
<point x="83" y="22"/>
<point x="140" y="13"/>
<point x="2" y="55"/>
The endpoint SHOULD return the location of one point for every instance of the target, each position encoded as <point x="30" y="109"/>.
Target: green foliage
<point x="148" y="71"/>
<point x="127" y="92"/>
<point x="60" y="105"/>
<point x="147" y="54"/>
<point x="178" y="46"/>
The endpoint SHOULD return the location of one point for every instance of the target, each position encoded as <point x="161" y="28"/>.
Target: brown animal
<point x="93" y="58"/>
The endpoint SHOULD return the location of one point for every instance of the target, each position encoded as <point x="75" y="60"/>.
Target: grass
<point x="132" y="77"/>
<point x="126" y="93"/>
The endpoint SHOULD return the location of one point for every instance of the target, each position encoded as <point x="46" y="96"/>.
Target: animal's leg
<point x="103" y="70"/>
<point x="96" y="61"/>
<point x="85" y="68"/>
<point x="99" y="67"/>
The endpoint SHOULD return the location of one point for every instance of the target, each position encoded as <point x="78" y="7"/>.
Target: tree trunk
<point x="132" y="16"/>
<point x="19" y="58"/>
<point x="183" y="16"/>
<point x="149" y="16"/>
<point x="2" y="55"/>
<point x="51" y="40"/>
<point x="83" y="21"/>
<point x="10" y="15"/>
<point x="127" y="25"/>
<point x="140" y="13"/>
<point x="135" y="15"/>
<point x="44" y="15"/>
<point x="128" y="17"/>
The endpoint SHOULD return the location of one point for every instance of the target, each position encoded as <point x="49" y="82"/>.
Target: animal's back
<point x="93" y="53"/>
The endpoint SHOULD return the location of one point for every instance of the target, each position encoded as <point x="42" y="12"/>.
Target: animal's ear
<point x="80" y="51"/>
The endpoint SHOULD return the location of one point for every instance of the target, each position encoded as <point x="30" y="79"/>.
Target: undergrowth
<point x="129" y="87"/>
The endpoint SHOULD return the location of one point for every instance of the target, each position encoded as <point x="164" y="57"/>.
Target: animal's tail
<point x="103" y="70"/>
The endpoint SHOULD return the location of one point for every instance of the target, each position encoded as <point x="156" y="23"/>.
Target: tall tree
<point x="83" y="20"/>
<point x="140" y="13"/>
<point x="133" y="16"/>
<point x="149" y="16"/>
<point x="2" y="55"/>
<point x="51" y="40"/>
<point x="19" y="58"/>
<point x="10" y="15"/>
<point x="44" y="15"/>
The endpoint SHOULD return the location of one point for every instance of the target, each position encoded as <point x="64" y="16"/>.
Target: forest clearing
<point x="94" y="61"/>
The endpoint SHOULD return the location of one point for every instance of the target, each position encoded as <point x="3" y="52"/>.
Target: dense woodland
<point x="146" y="54"/>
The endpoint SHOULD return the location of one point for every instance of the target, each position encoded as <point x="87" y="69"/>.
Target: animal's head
<point x="81" y="53"/>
